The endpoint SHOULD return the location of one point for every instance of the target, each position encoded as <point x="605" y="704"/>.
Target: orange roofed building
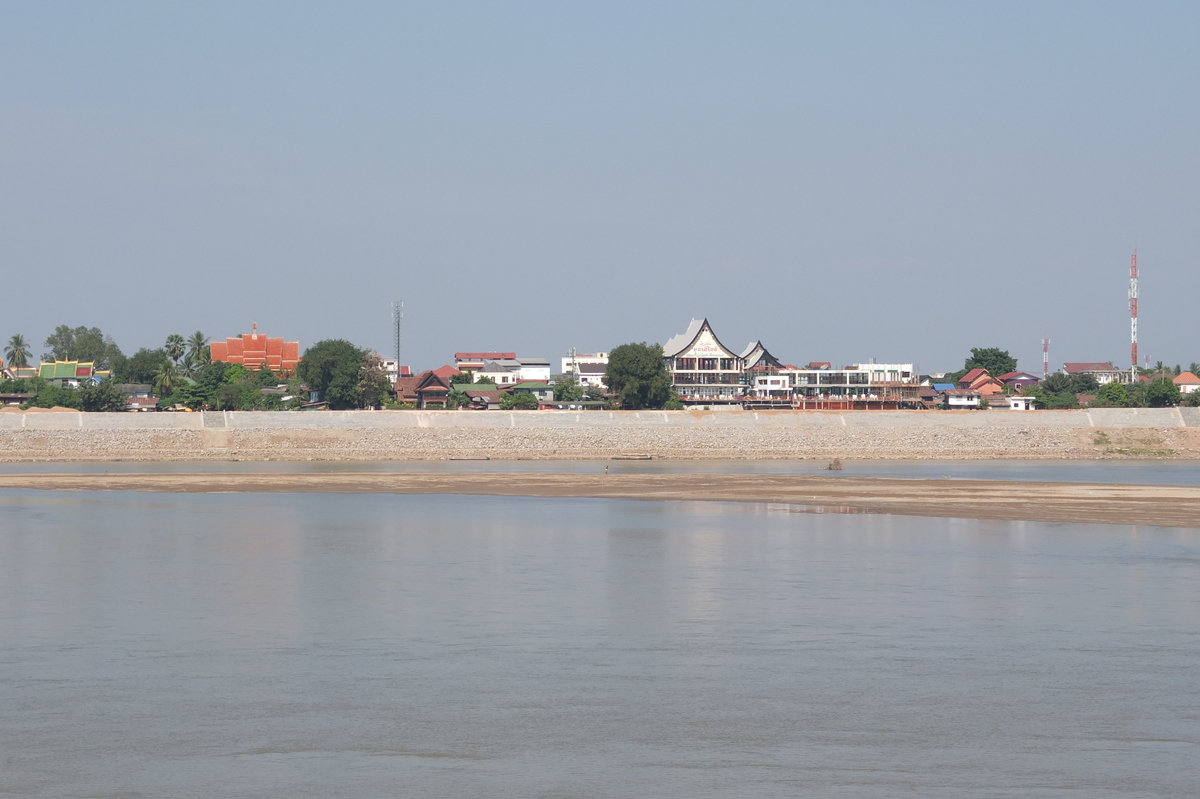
<point x="256" y="350"/>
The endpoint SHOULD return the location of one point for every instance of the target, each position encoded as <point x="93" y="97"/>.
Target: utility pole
<point x="1133" y="313"/>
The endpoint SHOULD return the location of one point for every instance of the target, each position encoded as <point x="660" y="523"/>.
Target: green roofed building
<point x="70" y="373"/>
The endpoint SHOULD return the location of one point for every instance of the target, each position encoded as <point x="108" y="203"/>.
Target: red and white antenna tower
<point x="1133" y="298"/>
<point x="1045" y="357"/>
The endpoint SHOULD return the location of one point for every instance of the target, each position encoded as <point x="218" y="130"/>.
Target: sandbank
<point x="1168" y="506"/>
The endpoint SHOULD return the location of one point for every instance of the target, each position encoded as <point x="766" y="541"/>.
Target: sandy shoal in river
<point x="1169" y="506"/>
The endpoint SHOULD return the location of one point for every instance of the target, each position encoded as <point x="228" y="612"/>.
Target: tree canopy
<point x="638" y="377"/>
<point x="81" y="344"/>
<point x="994" y="359"/>
<point x="334" y="368"/>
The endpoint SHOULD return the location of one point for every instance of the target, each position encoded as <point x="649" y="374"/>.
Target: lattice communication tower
<point x="397" y="330"/>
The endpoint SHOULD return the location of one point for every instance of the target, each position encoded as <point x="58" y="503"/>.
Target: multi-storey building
<point x="703" y="370"/>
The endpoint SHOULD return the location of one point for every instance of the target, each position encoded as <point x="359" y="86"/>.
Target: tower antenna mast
<point x="397" y="330"/>
<point x="1133" y="313"/>
<point x="1045" y="357"/>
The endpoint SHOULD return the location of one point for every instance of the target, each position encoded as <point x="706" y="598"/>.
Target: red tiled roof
<point x="1086" y="366"/>
<point x="446" y="371"/>
<point x="484" y="356"/>
<point x="977" y="372"/>
<point x="1186" y="379"/>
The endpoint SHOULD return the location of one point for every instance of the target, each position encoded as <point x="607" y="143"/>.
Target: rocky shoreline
<point x="564" y="442"/>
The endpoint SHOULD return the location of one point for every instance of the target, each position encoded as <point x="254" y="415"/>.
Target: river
<point x="368" y="646"/>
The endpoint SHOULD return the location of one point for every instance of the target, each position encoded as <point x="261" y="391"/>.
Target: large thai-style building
<point x="703" y="370"/>
<point x="257" y="350"/>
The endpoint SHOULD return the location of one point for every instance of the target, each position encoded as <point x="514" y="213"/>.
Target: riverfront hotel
<point x="703" y="370"/>
<point x="706" y="372"/>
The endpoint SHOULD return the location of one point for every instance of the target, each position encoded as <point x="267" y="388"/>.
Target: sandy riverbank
<point x="1170" y="506"/>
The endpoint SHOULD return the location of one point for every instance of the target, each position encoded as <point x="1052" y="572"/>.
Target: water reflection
<point x="313" y="645"/>
<point x="1144" y="472"/>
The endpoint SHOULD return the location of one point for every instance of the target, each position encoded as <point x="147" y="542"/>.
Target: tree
<point x="175" y="347"/>
<point x="142" y="367"/>
<point x="47" y="395"/>
<point x="197" y="347"/>
<point x="102" y="397"/>
<point x="165" y="380"/>
<point x="464" y="377"/>
<point x="1112" y="395"/>
<point x="17" y="351"/>
<point x="638" y="377"/>
<point x="567" y="390"/>
<point x="994" y="359"/>
<point x="1162" y="393"/>
<point x="333" y="367"/>
<point x="518" y="401"/>
<point x="373" y="384"/>
<point x="81" y="344"/>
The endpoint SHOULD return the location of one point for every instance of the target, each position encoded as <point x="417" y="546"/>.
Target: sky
<point x="843" y="181"/>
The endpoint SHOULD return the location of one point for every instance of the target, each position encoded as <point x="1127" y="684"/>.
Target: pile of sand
<point x="55" y="409"/>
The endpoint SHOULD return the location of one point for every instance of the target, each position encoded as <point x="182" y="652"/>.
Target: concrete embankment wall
<point x="1142" y="432"/>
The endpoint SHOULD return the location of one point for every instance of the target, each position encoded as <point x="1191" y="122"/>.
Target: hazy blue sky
<point x="895" y="180"/>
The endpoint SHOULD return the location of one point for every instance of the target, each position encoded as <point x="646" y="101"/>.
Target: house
<point x="820" y="365"/>
<point x="1103" y="372"/>
<point x="573" y="363"/>
<point x="146" y="403"/>
<point x="474" y="361"/>
<point x="134" y="389"/>
<point x="980" y="380"/>
<point x="963" y="398"/>
<point x="591" y="374"/>
<point x="394" y="370"/>
<point x="424" y="390"/>
<point x="1187" y="382"/>
<point x="543" y="391"/>
<point x="1019" y="380"/>
<point x="483" y="399"/>
<point x="502" y="373"/>
<point x="1016" y="402"/>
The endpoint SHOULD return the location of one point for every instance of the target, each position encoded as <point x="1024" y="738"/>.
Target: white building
<point x="589" y="368"/>
<point x="1103" y="372"/>
<point x="533" y="368"/>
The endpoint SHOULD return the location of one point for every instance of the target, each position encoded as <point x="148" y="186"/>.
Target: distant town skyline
<point x="898" y="182"/>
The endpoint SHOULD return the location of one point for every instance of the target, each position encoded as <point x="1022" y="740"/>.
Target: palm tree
<point x="189" y="364"/>
<point x="17" y="351"/>
<point x="164" y="381"/>
<point x="175" y="347"/>
<point x="197" y="344"/>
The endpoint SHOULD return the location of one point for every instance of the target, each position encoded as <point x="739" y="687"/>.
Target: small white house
<point x="963" y="398"/>
<point x="1020" y="403"/>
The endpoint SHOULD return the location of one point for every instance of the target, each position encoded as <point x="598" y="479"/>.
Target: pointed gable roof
<point x="756" y="356"/>
<point x="685" y="341"/>
<point x="1186" y="379"/>
<point x="677" y="344"/>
